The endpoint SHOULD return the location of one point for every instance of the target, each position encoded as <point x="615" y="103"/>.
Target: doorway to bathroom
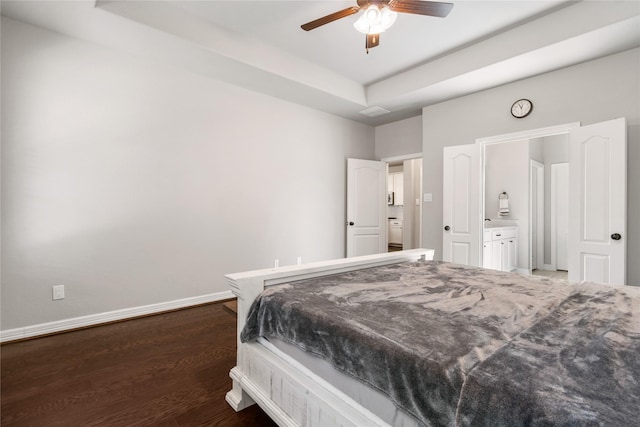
<point x="519" y="173"/>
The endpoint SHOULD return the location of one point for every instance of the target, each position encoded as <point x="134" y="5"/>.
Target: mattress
<point x="371" y="399"/>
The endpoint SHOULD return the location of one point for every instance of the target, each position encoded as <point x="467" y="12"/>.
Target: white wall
<point x="591" y="92"/>
<point x="399" y="138"/>
<point x="507" y="170"/>
<point x="133" y="183"/>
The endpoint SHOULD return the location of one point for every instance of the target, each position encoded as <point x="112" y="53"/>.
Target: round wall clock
<point x="521" y="108"/>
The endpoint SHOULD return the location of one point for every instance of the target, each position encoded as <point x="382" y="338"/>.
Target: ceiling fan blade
<point x="429" y="8"/>
<point x="330" y="18"/>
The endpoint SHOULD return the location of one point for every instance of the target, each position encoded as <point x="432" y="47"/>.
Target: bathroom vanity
<point x="500" y="248"/>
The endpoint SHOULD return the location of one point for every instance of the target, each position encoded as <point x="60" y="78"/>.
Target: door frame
<point x="511" y="137"/>
<point x="537" y="174"/>
<point x="554" y="212"/>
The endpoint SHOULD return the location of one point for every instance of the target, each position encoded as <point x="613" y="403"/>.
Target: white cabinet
<point x="395" y="232"/>
<point x="395" y="183"/>
<point x="511" y="254"/>
<point x="500" y="248"/>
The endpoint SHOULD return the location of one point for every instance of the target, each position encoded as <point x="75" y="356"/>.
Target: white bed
<point x="289" y="392"/>
<point x="416" y="342"/>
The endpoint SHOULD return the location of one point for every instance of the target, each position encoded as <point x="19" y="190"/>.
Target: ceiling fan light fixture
<point x="375" y="20"/>
<point x="388" y="17"/>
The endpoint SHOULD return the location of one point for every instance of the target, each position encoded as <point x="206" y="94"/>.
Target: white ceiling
<point x="420" y="61"/>
<point x="412" y="40"/>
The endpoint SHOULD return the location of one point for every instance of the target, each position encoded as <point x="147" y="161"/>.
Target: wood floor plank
<point x="171" y="369"/>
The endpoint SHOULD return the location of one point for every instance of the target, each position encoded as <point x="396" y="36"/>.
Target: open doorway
<point x="404" y="210"/>
<point x="522" y="167"/>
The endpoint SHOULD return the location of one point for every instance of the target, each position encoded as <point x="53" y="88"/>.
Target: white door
<point x="366" y="207"/>
<point x="597" y="203"/>
<point x="461" y="197"/>
<point x="559" y="215"/>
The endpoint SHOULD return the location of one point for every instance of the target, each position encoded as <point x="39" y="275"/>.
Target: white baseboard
<point x="109" y="316"/>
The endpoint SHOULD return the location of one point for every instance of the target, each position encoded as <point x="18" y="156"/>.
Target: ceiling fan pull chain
<point x="372" y="40"/>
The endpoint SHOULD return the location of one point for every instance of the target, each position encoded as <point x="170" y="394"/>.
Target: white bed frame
<point x="288" y="392"/>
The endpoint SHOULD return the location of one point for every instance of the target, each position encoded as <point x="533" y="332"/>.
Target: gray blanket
<point x="453" y="345"/>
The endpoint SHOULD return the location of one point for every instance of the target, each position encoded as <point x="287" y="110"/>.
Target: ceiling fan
<point x="379" y="15"/>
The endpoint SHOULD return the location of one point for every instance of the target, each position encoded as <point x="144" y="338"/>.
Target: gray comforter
<point x="453" y="345"/>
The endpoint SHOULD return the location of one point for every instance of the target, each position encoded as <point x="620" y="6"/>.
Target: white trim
<point x="536" y="171"/>
<point x="554" y="212"/>
<point x="109" y="316"/>
<point x="529" y="134"/>
<point x="554" y="231"/>
<point x="403" y="158"/>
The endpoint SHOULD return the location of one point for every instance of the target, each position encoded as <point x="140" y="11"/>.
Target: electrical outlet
<point x="58" y="292"/>
<point x="276" y="263"/>
<point x="299" y="261"/>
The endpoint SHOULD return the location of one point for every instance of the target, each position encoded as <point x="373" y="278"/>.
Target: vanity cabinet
<point x="500" y="248"/>
<point x="395" y="232"/>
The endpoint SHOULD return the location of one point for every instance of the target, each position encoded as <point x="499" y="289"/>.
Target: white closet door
<point x="461" y="197"/>
<point x="597" y="205"/>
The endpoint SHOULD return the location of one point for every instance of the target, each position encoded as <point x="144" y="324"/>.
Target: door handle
<point x="616" y="236"/>
<point x="351" y="223"/>
<point x="447" y="228"/>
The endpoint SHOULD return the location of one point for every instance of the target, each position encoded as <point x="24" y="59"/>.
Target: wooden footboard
<point x="289" y="393"/>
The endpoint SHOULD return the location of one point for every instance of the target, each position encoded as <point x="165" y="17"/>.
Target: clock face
<point x="521" y="108"/>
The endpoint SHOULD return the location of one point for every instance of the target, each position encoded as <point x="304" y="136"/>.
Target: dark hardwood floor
<point x="170" y="369"/>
